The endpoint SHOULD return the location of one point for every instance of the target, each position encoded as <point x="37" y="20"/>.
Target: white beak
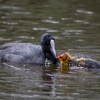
<point x="52" y="42"/>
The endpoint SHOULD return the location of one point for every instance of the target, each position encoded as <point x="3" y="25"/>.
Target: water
<point x="75" y="26"/>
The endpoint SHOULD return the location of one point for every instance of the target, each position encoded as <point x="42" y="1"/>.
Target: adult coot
<point x="30" y="53"/>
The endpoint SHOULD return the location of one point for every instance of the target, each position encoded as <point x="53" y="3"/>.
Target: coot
<point x="30" y="53"/>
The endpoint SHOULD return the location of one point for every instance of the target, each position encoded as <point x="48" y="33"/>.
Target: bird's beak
<point x="52" y="49"/>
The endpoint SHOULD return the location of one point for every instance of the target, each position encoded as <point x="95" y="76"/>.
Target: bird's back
<point x="22" y="53"/>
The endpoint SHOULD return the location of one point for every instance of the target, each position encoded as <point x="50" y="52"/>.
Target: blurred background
<point x="75" y="24"/>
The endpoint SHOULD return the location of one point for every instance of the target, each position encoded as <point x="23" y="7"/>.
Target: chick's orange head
<point x="64" y="58"/>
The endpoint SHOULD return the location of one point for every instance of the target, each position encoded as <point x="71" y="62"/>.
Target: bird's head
<point x="48" y="47"/>
<point x="65" y="59"/>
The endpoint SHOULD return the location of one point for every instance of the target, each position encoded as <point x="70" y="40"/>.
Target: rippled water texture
<point x="75" y="25"/>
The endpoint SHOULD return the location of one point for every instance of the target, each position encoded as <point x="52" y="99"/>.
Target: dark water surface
<point x="75" y="25"/>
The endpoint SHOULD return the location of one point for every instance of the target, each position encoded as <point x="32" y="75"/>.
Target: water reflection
<point x="75" y="26"/>
<point x="49" y="80"/>
<point x="24" y="80"/>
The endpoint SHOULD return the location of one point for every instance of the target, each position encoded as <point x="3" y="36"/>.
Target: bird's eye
<point x="47" y="42"/>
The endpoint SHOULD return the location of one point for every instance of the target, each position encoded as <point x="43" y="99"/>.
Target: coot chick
<point x="67" y="60"/>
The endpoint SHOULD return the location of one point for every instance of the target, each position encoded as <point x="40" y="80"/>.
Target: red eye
<point x="47" y="42"/>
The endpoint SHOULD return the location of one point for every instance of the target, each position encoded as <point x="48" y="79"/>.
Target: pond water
<point x="75" y="24"/>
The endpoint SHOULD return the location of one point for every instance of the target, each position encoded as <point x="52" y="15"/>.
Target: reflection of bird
<point x="30" y="53"/>
<point x="67" y="60"/>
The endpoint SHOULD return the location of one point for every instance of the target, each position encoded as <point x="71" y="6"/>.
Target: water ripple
<point x="10" y="7"/>
<point x="9" y="23"/>
<point x="25" y="37"/>
<point x="85" y="12"/>
<point x="72" y="31"/>
<point x="46" y="29"/>
<point x="81" y="21"/>
<point x="22" y="12"/>
<point x="41" y="29"/>
<point x="51" y="21"/>
<point x="3" y="39"/>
